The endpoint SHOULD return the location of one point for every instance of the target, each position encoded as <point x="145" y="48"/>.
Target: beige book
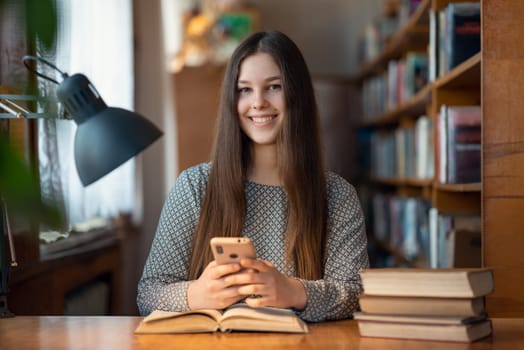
<point x="419" y="319"/>
<point x="238" y="317"/>
<point x="452" y="283"/>
<point x="392" y="305"/>
<point x="462" y="332"/>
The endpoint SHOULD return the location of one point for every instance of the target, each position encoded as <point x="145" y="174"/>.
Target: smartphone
<point x="227" y="250"/>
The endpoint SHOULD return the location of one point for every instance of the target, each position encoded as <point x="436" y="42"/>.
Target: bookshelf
<point x="459" y="85"/>
<point x="490" y="79"/>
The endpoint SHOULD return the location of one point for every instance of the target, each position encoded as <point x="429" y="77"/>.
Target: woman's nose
<point x="259" y="101"/>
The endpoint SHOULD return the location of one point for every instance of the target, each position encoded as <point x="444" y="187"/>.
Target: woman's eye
<point x="275" y="87"/>
<point x="243" y="90"/>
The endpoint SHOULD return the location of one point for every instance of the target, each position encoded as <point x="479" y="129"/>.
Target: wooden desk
<point x="116" y="332"/>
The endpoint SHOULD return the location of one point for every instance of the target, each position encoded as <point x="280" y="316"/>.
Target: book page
<point x="261" y="313"/>
<point x="265" y="319"/>
<point x="179" y="322"/>
<point x="161" y="314"/>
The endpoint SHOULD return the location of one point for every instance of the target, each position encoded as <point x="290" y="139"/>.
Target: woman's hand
<point x="271" y="287"/>
<point x="212" y="290"/>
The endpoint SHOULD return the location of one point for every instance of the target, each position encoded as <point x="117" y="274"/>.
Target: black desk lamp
<point x="105" y="138"/>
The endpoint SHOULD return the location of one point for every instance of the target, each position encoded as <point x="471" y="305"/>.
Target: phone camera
<point x="219" y="249"/>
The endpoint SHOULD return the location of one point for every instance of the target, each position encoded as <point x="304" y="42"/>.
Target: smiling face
<point x="261" y="103"/>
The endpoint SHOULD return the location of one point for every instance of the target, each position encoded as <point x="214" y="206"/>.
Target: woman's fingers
<point x="216" y="271"/>
<point x="256" y="264"/>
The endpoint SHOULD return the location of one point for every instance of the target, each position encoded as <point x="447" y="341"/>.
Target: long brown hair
<point x="299" y="155"/>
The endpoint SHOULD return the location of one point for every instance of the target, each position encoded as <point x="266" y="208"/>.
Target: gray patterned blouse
<point x="165" y="277"/>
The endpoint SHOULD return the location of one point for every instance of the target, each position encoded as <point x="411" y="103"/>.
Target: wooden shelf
<point x="403" y="182"/>
<point x="469" y="187"/>
<point x="414" y="107"/>
<point x="465" y="75"/>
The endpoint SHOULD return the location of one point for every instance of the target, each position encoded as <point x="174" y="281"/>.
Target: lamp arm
<point x="27" y="58"/>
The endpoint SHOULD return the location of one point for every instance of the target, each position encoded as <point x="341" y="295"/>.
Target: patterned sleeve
<point x="336" y="295"/>
<point x="164" y="281"/>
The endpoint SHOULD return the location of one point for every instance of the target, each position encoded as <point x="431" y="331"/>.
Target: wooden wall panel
<point x="503" y="152"/>
<point x="197" y="93"/>
<point x="504" y="251"/>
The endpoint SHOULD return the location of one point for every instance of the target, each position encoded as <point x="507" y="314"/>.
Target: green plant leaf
<point x="41" y="21"/>
<point x="20" y="190"/>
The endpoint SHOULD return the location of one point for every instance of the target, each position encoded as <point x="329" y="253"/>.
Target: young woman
<point x="266" y="181"/>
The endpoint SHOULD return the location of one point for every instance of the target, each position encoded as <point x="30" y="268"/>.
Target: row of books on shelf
<point x="411" y="153"/>
<point x="454" y="36"/>
<point x="405" y="152"/>
<point x="422" y="235"/>
<point x="401" y="81"/>
<point x="376" y="35"/>
<point x="455" y="239"/>
<point x="428" y="304"/>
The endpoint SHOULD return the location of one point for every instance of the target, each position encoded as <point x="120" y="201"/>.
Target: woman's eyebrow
<point x="276" y="77"/>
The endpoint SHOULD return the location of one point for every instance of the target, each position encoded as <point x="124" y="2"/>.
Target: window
<point x="94" y="38"/>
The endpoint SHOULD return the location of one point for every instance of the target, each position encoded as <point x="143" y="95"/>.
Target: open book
<point x="238" y="317"/>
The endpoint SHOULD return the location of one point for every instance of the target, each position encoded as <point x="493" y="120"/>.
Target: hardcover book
<point x="420" y="319"/>
<point x="462" y="32"/>
<point x="453" y="283"/>
<point x="463" y="143"/>
<point x="442" y="329"/>
<point x="238" y="317"/>
<point x="426" y="306"/>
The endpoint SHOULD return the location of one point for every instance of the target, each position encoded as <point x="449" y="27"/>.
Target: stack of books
<point x="429" y="304"/>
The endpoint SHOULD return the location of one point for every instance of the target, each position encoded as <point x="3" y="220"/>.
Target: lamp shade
<point x="106" y="137"/>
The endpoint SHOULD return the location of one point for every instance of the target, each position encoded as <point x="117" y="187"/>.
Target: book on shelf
<point x="401" y="223"/>
<point x="464" y="248"/>
<point x="424" y="161"/>
<point x="424" y="328"/>
<point x="462" y="26"/>
<point x="454" y="36"/>
<point x="422" y="306"/>
<point x="459" y="240"/>
<point x="456" y="283"/>
<point x="459" y="144"/>
<point x="441" y="145"/>
<point x="415" y="74"/>
<point x="455" y="240"/>
<point x="433" y="45"/>
<point x="464" y="143"/>
<point x="238" y="317"/>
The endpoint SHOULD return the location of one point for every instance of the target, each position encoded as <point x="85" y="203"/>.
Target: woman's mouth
<point x="263" y="119"/>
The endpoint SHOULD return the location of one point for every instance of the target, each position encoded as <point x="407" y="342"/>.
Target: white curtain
<point x="96" y="39"/>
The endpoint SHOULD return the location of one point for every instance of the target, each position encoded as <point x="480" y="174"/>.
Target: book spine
<point x="463" y="32"/>
<point x="433" y="238"/>
<point x="464" y="144"/>
<point x="433" y="45"/>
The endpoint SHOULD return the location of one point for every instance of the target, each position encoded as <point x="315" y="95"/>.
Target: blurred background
<point x="163" y="59"/>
